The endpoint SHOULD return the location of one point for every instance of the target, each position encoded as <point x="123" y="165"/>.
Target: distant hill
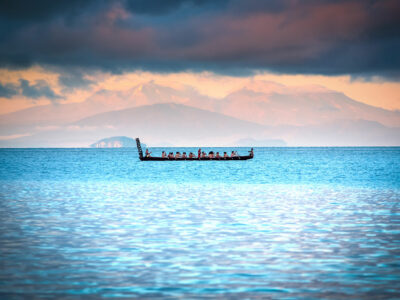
<point x="174" y="123"/>
<point x="181" y="125"/>
<point x="301" y="108"/>
<point x="114" y="142"/>
<point x="42" y="117"/>
<point x="171" y="123"/>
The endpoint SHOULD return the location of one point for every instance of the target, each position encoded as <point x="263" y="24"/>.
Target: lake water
<point x="293" y="223"/>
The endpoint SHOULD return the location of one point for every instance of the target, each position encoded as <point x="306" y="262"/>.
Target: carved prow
<point x="139" y="148"/>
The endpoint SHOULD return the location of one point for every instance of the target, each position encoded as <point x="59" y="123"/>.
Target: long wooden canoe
<point x="158" y="158"/>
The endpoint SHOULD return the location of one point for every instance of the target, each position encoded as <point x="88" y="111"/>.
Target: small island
<point x="115" y="142"/>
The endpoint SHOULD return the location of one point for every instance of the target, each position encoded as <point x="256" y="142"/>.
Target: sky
<point x="64" y="51"/>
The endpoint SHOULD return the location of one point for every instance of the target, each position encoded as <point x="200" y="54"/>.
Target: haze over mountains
<point x="160" y="115"/>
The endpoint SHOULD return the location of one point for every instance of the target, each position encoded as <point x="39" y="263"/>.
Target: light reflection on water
<point x="146" y="238"/>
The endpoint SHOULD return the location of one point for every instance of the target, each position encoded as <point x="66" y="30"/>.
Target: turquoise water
<point x="293" y="223"/>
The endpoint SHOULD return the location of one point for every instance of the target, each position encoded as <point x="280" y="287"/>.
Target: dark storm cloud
<point x="17" y="14"/>
<point x="41" y="10"/>
<point x="38" y="90"/>
<point x="159" y="7"/>
<point x="356" y="37"/>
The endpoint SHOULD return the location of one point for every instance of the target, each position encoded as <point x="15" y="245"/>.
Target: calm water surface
<point x="293" y="223"/>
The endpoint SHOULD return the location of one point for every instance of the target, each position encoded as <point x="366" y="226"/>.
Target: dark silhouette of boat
<point x="158" y="158"/>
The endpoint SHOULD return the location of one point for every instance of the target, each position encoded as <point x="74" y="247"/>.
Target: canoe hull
<point x="195" y="159"/>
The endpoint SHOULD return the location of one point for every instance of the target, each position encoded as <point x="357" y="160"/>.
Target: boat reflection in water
<point x="158" y="158"/>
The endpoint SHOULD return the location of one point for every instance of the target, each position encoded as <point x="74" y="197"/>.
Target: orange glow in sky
<point x="376" y="92"/>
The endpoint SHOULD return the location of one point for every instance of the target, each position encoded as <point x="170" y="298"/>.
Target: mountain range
<point x="262" y="111"/>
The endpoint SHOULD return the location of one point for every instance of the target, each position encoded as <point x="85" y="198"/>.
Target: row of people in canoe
<point x="200" y="154"/>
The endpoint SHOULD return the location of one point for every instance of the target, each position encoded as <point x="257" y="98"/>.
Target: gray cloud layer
<point x="8" y="90"/>
<point x="356" y="37"/>
<point x="33" y="91"/>
<point x="37" y="90"/>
